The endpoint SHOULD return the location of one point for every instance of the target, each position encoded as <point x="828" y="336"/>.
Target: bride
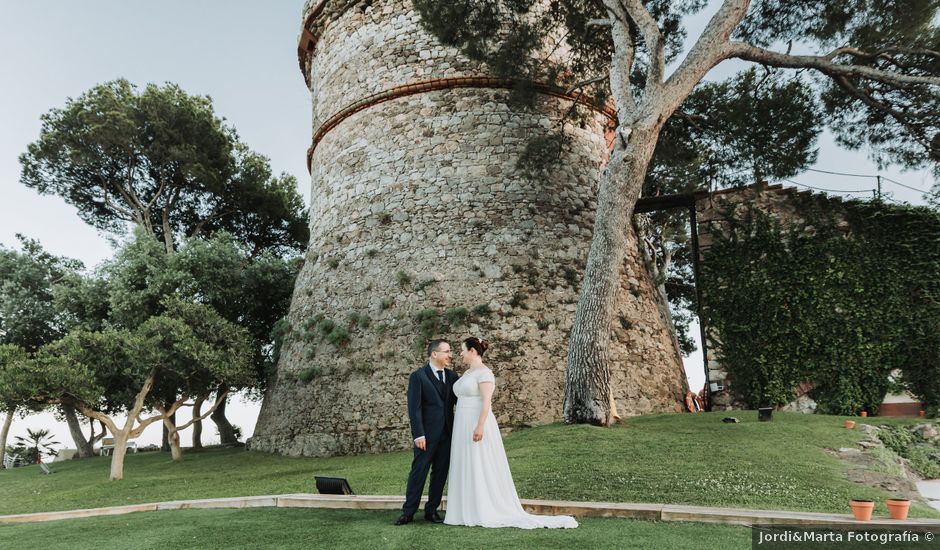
<point x="481" y="491"/>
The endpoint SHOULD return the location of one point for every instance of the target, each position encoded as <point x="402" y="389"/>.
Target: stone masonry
<point x="422" y="226"/>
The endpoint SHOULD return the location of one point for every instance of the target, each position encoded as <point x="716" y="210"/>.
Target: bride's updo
<point x="476" y="344"/>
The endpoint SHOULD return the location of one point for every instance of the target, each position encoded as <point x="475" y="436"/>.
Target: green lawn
<point x="310" y="528"/>
<point x="668" y="458"/>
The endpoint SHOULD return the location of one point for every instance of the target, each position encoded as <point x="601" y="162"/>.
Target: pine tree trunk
<point x="84" y="447"/>
<point x="165" y="441"/>
<point x="173" y="438"/>
<point x="117" y="456"/>
<point x="587" y="378"/>
<point x="197" y="425"/>
<point x="7" y="422"/>
<point x="226" y="433"/>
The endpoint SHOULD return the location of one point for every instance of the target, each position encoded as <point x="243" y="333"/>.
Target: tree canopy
<point x="159" y="365"/>
<point x="873" y="73"/>
<point x="252" y="292"/>
<point x="29" y="316"/>
<point x="162" y="159"/>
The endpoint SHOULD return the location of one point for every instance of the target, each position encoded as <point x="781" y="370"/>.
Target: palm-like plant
<point x="36" y="444"/>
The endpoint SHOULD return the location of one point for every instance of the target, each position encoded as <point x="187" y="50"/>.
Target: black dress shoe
<point x="403" y="520"/>
<point x="433" y="517"/>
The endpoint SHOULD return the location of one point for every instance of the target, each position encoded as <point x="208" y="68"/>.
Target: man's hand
<point x="421" y="443"/>
<point x="478" y="434"/>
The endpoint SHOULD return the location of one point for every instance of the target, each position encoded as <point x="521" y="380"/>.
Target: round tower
<point x="422" y="226"/>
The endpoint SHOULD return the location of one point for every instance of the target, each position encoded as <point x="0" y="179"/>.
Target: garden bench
<point x="107" y="445"/>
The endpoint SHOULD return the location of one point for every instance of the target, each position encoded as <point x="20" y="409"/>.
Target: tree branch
<point x="134" y="413"/>
<point x="96" y="415"/>
<point x="710" y="49"/>
<point x="621" y="62"/>
<point x="649" y="28"/>
<point x="584" y="83"/>
<point x="127" y="214"/>
<point x="131" y="194"/>
<point x="544" y="61"/>
<point x="199" y="226"/>
<point x="140" y="215"/>
<point x="844" y="83"/>
<point x="825" y="65"/>
<point x="164" y="414"/>
<point x="884" y="53"/>
<point x="218" y="401"/>
<point x="902" y="118"/>
<point x="167" y="229"/>
<point x="143" y="423"/>
<point x="693" y="120"/>
<point x="156" y="195"/>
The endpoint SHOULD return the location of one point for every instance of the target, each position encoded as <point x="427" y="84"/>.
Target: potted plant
<point x="898" y="507"/>
<point x="864" y="414"/>
<point x="850" y="424"/>
<point x="862" y="508"/>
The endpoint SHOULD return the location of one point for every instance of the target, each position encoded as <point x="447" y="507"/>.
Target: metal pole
<point x="693" y="222"/>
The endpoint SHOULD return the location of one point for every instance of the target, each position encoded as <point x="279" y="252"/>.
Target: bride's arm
<point x="486" y="393"/>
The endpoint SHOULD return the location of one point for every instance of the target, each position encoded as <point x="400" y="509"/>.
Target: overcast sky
<point x="241" y="53"/>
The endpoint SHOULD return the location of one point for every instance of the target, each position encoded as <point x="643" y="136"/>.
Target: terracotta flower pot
<point x="864" y="414"/>
<point x="850" y="424"/>
<point x="898" y="507"/>
<point x="861" y="509"/>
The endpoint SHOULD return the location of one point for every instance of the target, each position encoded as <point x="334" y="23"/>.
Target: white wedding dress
<point x="480" y="488"/>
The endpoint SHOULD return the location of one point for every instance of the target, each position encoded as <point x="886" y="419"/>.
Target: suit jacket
<point x="430" y="404"/>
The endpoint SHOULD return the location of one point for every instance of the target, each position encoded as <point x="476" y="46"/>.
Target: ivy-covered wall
<point x="804" y="288"/>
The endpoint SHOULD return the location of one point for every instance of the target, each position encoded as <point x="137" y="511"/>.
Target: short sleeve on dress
<point x="486" y="375"/>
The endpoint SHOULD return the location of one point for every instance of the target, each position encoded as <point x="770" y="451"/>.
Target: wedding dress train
<point x="480" y="487"/>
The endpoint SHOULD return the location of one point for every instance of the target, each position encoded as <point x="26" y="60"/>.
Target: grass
<point x="667" y="458"/>
<point x="313" y="528"/>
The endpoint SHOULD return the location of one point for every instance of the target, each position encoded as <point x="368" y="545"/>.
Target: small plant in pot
<point x="862" y="508"/>
<point x="898" y="507"/>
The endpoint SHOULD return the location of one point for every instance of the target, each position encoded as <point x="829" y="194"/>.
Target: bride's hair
<point x="475" y="343"/>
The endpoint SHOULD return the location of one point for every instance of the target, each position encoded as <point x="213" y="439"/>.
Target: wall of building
<point x="418" y="210"/>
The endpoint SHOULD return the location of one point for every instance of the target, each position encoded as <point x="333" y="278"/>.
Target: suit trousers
<point x="436" y="459"/>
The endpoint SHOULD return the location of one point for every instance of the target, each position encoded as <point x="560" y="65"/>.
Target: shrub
<point x="456" y="316"/>
<point x="425" y="283"/>
<point x="308" y="374"/>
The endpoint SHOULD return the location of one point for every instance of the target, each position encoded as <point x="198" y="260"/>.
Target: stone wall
<point x="422" y="226"/>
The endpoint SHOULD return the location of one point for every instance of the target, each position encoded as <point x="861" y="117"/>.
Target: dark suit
<point x="431" y="413"/>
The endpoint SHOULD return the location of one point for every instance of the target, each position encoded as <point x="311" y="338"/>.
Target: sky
<point x="242" y="54"/>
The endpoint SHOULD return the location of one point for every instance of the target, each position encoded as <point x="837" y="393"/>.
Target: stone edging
<point x="648" y="512"/>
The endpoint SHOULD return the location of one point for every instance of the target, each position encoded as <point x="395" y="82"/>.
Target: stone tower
<point x="422" y="226"/>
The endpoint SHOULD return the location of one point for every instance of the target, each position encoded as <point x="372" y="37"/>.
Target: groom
<point x="431" y="403"/>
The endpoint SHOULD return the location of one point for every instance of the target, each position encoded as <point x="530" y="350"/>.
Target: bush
<point x="923" y="457"/>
